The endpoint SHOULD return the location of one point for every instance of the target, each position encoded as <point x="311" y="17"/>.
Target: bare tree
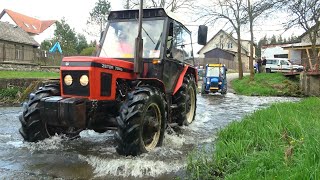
<point x="306" y="14"/>
<point x="229" y="11"/>
<point x="255" y="10"/>
<point x="170" y="5"/>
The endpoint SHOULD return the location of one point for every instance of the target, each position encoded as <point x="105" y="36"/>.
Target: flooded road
<point x="93" y="155"/>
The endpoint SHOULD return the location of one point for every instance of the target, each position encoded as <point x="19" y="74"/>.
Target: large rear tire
<point x="186" y="100"/>
<point x="142" y="121"/>
<point x="33" y="128"/>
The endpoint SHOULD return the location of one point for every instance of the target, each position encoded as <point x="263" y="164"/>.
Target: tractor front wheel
<point x="142" y="121"/>
<point x="33" y="128"/>
<point x="186" y="99"/>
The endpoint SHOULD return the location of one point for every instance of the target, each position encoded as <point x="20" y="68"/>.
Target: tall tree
<point x="99" y="15"/>
<point x="256" y="10"/>
<point x="66" y="36"/>
<point x="81" y="43"/>
<point x="231" y="12"/>
<point x="306" y="14"/>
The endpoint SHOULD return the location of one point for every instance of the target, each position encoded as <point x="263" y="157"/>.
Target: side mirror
<point x="202" y="35"/>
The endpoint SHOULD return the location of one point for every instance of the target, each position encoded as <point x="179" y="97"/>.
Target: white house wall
<point x="306" y="39"/>
<point x="220" y="42"/>
<point x="7" y="18"/>
<point x="269" y="52"/>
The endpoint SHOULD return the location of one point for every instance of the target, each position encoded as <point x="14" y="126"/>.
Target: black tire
<point x="142" y="121"/>
<point x="186" y="100"/>
<point x="268" y="70"/>
<point x="224" y="89"/>
<point x="33" y="128"/>
<point x="203" y="89"/>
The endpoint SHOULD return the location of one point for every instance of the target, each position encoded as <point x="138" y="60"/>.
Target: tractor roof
<point x="215" y="65"/>
<point x="147" y="13"/>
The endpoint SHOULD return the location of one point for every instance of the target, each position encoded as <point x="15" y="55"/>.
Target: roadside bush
<point x="9" y="93"/>
<point x="89" y="51"/>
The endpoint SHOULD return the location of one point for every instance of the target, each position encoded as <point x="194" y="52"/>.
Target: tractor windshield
<point x="120" y="39"/>
<point x="213" y="71"/>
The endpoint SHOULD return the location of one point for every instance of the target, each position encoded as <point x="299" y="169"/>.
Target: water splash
<point x="52" y="143"/>
<point x="130" y="166"/>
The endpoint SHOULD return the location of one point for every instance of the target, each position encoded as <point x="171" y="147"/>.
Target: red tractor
<point x="142" y="80"/>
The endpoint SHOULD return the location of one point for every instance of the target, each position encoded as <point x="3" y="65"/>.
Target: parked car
<point x="281" y="65"/>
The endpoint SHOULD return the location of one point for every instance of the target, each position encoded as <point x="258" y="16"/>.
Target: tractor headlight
<point x="84" y="80"/>
<point x="68" y="80"/>
<point x="220" y="83"/>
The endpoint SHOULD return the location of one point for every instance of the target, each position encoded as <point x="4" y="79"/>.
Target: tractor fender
<point x="154" y="82"/>
<point x="187" y="70"/>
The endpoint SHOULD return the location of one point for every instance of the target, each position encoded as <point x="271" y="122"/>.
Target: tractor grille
<point x="76" y="88"/>
<point x="106" y="84"/>
<point x="214" y="84"/>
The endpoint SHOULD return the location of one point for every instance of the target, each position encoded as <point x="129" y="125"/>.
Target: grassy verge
<point x="27" y="74"/>
<point x="10" y="95"/>
<point x="267" y="84"/>
<point x="280" y="142"/>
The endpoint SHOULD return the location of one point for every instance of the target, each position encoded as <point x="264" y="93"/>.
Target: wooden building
<point x="16" y="45"/>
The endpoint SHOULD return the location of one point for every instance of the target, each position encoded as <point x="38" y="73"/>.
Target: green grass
<point x="27" y="74"/>
<point x="267" y="84"/>
<point x="280" y="142"/>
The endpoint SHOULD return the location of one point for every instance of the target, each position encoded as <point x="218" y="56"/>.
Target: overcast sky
<point x="76" y="13"/>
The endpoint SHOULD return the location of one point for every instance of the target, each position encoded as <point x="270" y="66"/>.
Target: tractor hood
<point x="99" y="62"/>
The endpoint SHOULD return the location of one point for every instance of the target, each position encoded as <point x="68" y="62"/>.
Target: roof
<point x="317" y="25"/>
<point x="28" y="24"/>
<point x="227" y="51"/>
<point x="295" y="45"/>
<point x="222" y="31"/>
<point x="13" y="33"/>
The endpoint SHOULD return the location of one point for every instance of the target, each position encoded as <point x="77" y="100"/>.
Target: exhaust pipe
<point x="138" y="62"/>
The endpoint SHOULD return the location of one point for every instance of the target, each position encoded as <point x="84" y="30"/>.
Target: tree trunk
<point x="239" y="54"/>
<point x="251" y="42"/>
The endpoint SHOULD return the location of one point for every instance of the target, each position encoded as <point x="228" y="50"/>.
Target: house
<point x="226" y="42"/>
<point x="218" y="55"/>
<point x="278" y="51"/>
<point x="303" y="49"/>
<point x="38" y="29"/>
<point x="16" y="45"/>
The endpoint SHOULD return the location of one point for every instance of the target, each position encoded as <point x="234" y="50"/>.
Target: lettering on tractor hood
<point x="95" y="64"/>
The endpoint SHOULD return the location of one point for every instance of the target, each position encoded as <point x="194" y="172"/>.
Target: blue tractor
<point x="214" y="79"/>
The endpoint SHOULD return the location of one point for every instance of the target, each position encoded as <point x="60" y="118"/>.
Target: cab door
<point x="284" y="66"/>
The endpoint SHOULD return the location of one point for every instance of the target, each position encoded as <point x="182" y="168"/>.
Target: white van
<point x="281" y="65"/>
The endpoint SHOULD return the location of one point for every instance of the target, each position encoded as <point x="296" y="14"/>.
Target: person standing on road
<point x="264" y="62"/>
<point x="259" y="65"/>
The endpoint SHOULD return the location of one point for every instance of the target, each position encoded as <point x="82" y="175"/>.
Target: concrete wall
<point x="310" y="84"/>
<point x="24" y="83"/>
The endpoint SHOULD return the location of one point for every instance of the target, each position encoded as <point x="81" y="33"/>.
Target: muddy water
<point x="93" y="156"/>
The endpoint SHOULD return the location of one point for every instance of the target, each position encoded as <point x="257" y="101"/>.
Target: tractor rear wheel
<point x="33" y="128"/>
<point x="186" y="99"/>
<point x="142" y="121"/>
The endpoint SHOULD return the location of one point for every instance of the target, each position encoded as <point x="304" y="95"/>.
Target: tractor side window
<point x="181" y="47"/>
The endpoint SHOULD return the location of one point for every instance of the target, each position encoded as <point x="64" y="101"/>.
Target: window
<point x="27" y="25"/>
<point x="33" y="26"/>
<point x="230" y="45"/>
<point x="120" y="39"/>
<point x="19" y="52"/>
<point x="182" y="47"/>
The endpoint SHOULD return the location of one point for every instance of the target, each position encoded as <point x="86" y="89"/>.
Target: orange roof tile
<point x="28" y="24"/>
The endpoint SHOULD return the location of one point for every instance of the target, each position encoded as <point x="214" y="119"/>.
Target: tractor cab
<point x="215" y="79"/>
